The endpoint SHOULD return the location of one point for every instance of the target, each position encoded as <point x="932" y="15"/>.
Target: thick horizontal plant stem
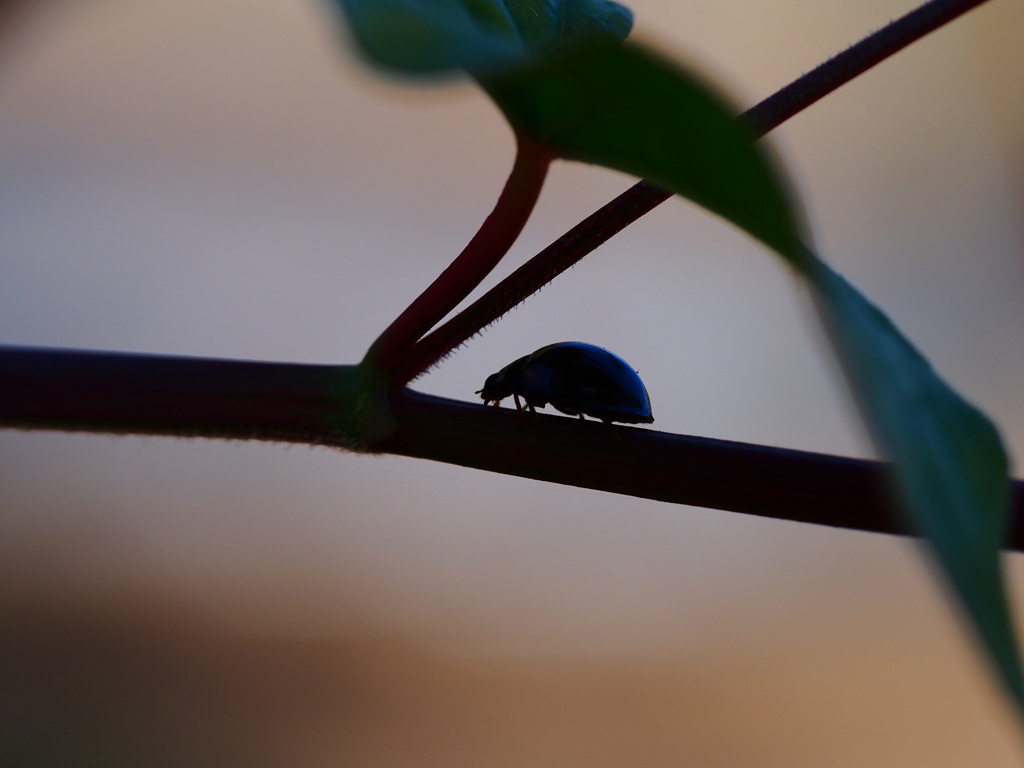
<point x="114" y="392"/>
<point x="739" y="477"/>
<point x="643" y="197"/>
<point x="281" y="402"/>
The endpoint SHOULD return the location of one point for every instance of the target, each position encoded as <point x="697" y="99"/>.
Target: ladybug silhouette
<point x="576" y="379"/>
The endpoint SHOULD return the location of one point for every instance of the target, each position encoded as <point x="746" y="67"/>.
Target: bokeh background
<point x="226" y="179"/>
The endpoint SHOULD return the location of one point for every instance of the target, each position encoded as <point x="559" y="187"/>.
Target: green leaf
<point x="558" y="73"/>
<point x="951" y="469"/>
<point x="625" y="108"/>
<point x="478" y="36"/>
<point x="556" y="26"/>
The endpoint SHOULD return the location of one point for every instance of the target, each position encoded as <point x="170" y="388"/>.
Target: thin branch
<point x="855" y="61"/>
<point x="491" y="242"/>
<point x="643" y="197"/>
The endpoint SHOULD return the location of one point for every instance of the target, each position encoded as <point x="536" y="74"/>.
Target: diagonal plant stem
<point x="492" y="241"/>
<point x="643" y="197"/>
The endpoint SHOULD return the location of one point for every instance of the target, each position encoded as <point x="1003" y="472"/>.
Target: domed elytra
<point x="574" y="378"/>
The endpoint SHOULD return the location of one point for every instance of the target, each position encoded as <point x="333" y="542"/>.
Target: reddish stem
<point x="643" y="197"/>
<point x="491" y="242"/>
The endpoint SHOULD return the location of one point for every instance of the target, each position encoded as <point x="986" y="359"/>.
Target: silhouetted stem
<point x="758" y="480"/>
<point x="643" y="197"/>
<point x="189" y="397"/>
<point x="854" y="61"/>
<point x="164" y="395"/>
<point x="492" y="241"/>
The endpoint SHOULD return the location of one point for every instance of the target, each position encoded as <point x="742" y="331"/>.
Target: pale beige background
<point x="221" y="178"/>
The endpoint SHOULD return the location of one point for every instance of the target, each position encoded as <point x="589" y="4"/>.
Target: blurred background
<point x="226" y="179"/>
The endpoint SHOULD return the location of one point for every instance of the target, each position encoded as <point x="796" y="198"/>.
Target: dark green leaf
<point x="625" y="108"/>
<point x="551" y="68"/>
<point x="951" y="466"/>
<point x="478" y="36"/>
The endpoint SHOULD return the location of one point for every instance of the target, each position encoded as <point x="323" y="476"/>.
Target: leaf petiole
<point x="491" y="242"/>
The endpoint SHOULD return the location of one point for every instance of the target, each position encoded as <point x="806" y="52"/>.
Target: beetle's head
<point x="497" y="387"/>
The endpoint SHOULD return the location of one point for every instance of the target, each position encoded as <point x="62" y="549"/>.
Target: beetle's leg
<point x="535" y="430"/>
<point x="520" y="408"/>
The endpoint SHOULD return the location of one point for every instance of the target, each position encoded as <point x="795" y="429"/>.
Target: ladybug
<point x="576" y="379"/>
